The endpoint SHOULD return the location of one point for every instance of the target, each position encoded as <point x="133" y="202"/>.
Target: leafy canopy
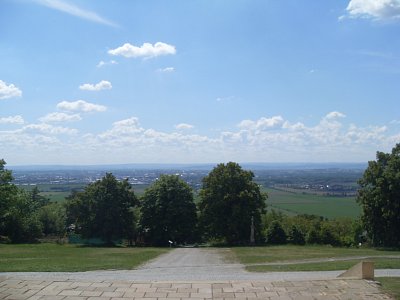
<point x="230" y="203"/>
<point x="379" y="196"/>
<point x="168" y="212"/>
<point x="105" y="209"/>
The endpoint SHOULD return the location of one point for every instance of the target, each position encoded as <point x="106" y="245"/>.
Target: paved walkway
<point x="186" y="274"/>
<point x="17" y="289"/>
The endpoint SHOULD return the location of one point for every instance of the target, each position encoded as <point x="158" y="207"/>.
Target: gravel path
<point x="188" y="264"/>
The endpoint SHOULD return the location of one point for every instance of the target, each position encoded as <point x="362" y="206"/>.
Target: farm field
<point x="288" y="202"/>
<point x="298" y="203"/>
<point x="49" y="257"/>
<point x="58" y="192"/>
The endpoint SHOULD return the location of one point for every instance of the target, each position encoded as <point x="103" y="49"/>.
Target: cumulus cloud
<point x="76" y="11"/>
<point x="81" y="106"/>
<point x="102" y="85"/>
<point x="147" y="50"/>
<point x="375" y="9"/>
<point x="9" y="90"/>
<point x="183" y="126"/>
<point x="262" y="123"/>
<point x="270" y="138"/>
<point x="12" y="120"/>
<point x="49" y="129"/>
<point x="106" y="63"/>
<point x="60" y="117"/>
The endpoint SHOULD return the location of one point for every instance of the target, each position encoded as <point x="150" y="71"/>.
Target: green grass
<point x="390" y="285"/>
<point x="299" y="203"/>
<point x="70" y="258"/>
<point x="253" y="255"/>
<point x="380" y="263"/>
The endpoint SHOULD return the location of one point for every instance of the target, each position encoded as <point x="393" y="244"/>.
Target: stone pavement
<point x="12" y="288"/>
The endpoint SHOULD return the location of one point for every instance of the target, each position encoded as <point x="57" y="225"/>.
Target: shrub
<point x="296" y="236"/>
<point x="275" y="234"/>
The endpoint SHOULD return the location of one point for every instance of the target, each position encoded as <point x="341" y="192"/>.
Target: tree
<point x="105" y="209"/>
<point x="275" y="234"/>
<point x="168" y="212"/>
<point x="52" y="218"/>
<point x="379" y="196"/>
<point x="7" y="192"/>
<point x="18" y="216"/>
<point x="22" y="222"/>
<point x="296" y="236"/>
<point x="230" y="200"/>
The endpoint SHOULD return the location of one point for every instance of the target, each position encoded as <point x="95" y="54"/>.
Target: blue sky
<point x="99" y="82"/>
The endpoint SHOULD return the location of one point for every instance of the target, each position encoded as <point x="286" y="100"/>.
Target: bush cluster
<point x="311" y="229"/>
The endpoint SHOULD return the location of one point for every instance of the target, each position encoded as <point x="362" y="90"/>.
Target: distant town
<point x="329" y="179"/>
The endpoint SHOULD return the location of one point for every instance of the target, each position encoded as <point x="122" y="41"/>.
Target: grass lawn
<point x="252" y="255"/>
<point x="48" y="257"/>
<point x="390" y="285"/>
<point x="284" y="253"/>
<point x="380" y="263"/>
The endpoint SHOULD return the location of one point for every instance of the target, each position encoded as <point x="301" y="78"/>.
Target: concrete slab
<point x="362" y="270"/>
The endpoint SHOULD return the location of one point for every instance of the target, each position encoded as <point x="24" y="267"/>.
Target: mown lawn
<point x="48" y="257"/>
<point x="252" y="255"/>
<point x="380" y="263"/>
<point x="286" y="253"/>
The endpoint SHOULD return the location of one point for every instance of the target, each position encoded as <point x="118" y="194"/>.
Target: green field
<point x="288" y="202"/>
<point x="58" y="192"/>
<point x="48" y="257"/>
<point x="298" y="203"/>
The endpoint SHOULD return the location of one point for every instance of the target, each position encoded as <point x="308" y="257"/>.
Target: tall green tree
<point x="18" y="213"/>
<point x="7" y="191"/>
<point x="231" y="204"/>
<point x="105" y="209"/>
<point x="379" y="196"/>
<point x="168" y="212"/>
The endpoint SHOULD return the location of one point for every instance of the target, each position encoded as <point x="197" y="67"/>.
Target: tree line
<point x="231" y="209"/>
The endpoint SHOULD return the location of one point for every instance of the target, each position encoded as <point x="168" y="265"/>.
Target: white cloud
<point x="183" y="126"/>
<point x="60" y="117"/>
<point x="106" y="63"/>
<point x="166" y="70"/>
<point x="102" y="85"/>
<point x="375" y="9"/>
<point x="334" y="115"/>
<point x="268" y="139"/>
<point x="49" y="129"/>
<point x="81" y="105"/>
<point x="147" y="50"/>
<point x="9" y="91"/>
<point x="75" y="11"/>
<point x="12" y="120"/>
<point x="262" y="123"/>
